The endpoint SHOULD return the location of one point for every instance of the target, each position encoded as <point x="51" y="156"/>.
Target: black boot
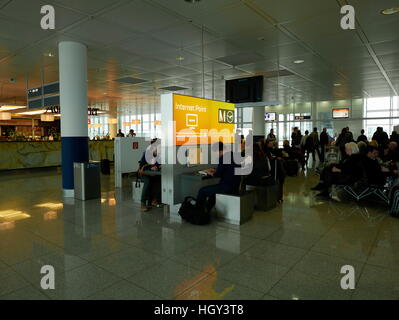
<point x="324" y="194"/>
<point x="321" y="186"/>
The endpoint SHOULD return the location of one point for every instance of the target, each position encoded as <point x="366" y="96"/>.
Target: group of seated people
<point x="363" y="161"/>
<point x="267" y="169"/>
<point x="358" y="165"/>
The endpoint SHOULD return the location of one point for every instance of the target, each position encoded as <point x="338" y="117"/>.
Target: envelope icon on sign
<point x="192" y="120"/>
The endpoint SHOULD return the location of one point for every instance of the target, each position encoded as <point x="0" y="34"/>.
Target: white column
<point x="74" y="115"/>
<point x="258" y="122"/>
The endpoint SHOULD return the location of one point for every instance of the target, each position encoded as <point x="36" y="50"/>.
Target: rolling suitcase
<point x="292" y="167"/>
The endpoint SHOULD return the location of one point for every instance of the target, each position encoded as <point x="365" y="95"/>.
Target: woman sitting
<point x="347" y="172"/>
<point x="149" y="172"/>
<point x="261" y="174"/>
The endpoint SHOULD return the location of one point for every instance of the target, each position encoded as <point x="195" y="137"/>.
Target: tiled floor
<point x="108" y="249"/>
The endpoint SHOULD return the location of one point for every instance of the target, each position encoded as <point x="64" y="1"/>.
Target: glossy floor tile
<point x="107" y="249"/>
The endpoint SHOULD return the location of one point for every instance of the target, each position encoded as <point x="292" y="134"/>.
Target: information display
<point x="341" y="113"/>
<point x="271" y="116"/>
<point x="202" y="121"/>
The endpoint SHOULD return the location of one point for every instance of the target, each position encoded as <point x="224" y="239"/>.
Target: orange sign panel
<point x="202" y="121"/>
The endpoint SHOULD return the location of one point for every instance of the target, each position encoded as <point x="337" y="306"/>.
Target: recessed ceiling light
<point x="390" y="11"/>
<point x="299" y="61"/>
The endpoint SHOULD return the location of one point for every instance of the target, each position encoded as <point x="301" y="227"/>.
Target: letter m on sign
<point x="222" y="116"/>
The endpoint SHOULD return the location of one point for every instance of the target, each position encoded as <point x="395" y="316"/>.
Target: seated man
<point x="229" y="182"/>
<point x="347" y="172"/>
<point x="372" y="168"/>
<point x="151" y="195"/>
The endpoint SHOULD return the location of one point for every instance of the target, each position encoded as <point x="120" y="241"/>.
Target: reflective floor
<point x="107" y="249"/>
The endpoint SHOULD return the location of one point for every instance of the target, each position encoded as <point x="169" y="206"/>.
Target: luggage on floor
<point x="106" y="167"/>
<point x="137" y="189"/>
<point x="192" y="213"/>
<point x="292" y="167"/>
<point x="266" y="197"/>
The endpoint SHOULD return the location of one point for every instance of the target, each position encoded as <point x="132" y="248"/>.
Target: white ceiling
<point x="144" y="38"/>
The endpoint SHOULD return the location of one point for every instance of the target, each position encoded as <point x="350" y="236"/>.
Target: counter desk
<point x="42" y="154"/>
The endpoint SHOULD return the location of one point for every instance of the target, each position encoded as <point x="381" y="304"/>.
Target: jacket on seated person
<point x="229" y="184"/>
<point x="351" y="172"/>
<point x="351" y="166"/>
<point x="373" y="172"/>
<point x="261" y="168"/>
<point x="226" y="173"/>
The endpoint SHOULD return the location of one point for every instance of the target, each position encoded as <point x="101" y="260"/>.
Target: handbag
<point x="194" y="214"/>
<point x="138" y="186"/>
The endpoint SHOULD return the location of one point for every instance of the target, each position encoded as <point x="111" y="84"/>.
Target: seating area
<point x="235" y="209"/>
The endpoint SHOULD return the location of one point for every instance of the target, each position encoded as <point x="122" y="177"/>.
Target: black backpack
<point x="194" y="214"/>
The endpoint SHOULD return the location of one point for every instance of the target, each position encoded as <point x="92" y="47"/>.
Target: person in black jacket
<point x="362" y="137"/>
<point x="381" y="137"/>
<point x="394" y="137"/>
<point x="372" y="169"/>
<point x="229" y="181"/>
<point x="347" y="172"/>
<point x="344" y="138"/>
<point x="323" y="143"/>
<point x="261" y="174"/>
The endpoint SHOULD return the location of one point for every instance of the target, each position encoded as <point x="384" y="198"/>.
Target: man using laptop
<point x="229" y="182"/>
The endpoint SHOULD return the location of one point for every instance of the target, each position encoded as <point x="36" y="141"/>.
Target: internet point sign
<point x="202" y="121"/>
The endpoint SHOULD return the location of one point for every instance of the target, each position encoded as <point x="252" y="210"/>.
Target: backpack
<point x="192" y="213"/>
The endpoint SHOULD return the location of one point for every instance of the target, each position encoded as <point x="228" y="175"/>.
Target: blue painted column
<point x="74" y="115"/>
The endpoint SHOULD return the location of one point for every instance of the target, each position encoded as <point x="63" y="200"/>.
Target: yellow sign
<point x="202" y="121"/>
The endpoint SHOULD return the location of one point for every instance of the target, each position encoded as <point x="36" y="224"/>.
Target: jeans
<point x="322" y="152"/>
<point x="151" y="189"/>
<point x="207" y="195"/>
<point x="316" y="150"/>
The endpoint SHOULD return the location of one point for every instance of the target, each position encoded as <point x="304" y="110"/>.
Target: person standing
<point x="342" y="140"/>
<point x="324" y="140"/>
<point x="362" y="137"/>
<point x="294" y="138"/>
<point x="316" y="143"/>
<point x="120" y="134"/>
<point x="349" y="135"/>
<point x="381" y="137"/>
<point x="394" y="137"/>
<point x="271" y="136"/>
<point x="131" y="134"/>
<point x="305" y="147"/>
